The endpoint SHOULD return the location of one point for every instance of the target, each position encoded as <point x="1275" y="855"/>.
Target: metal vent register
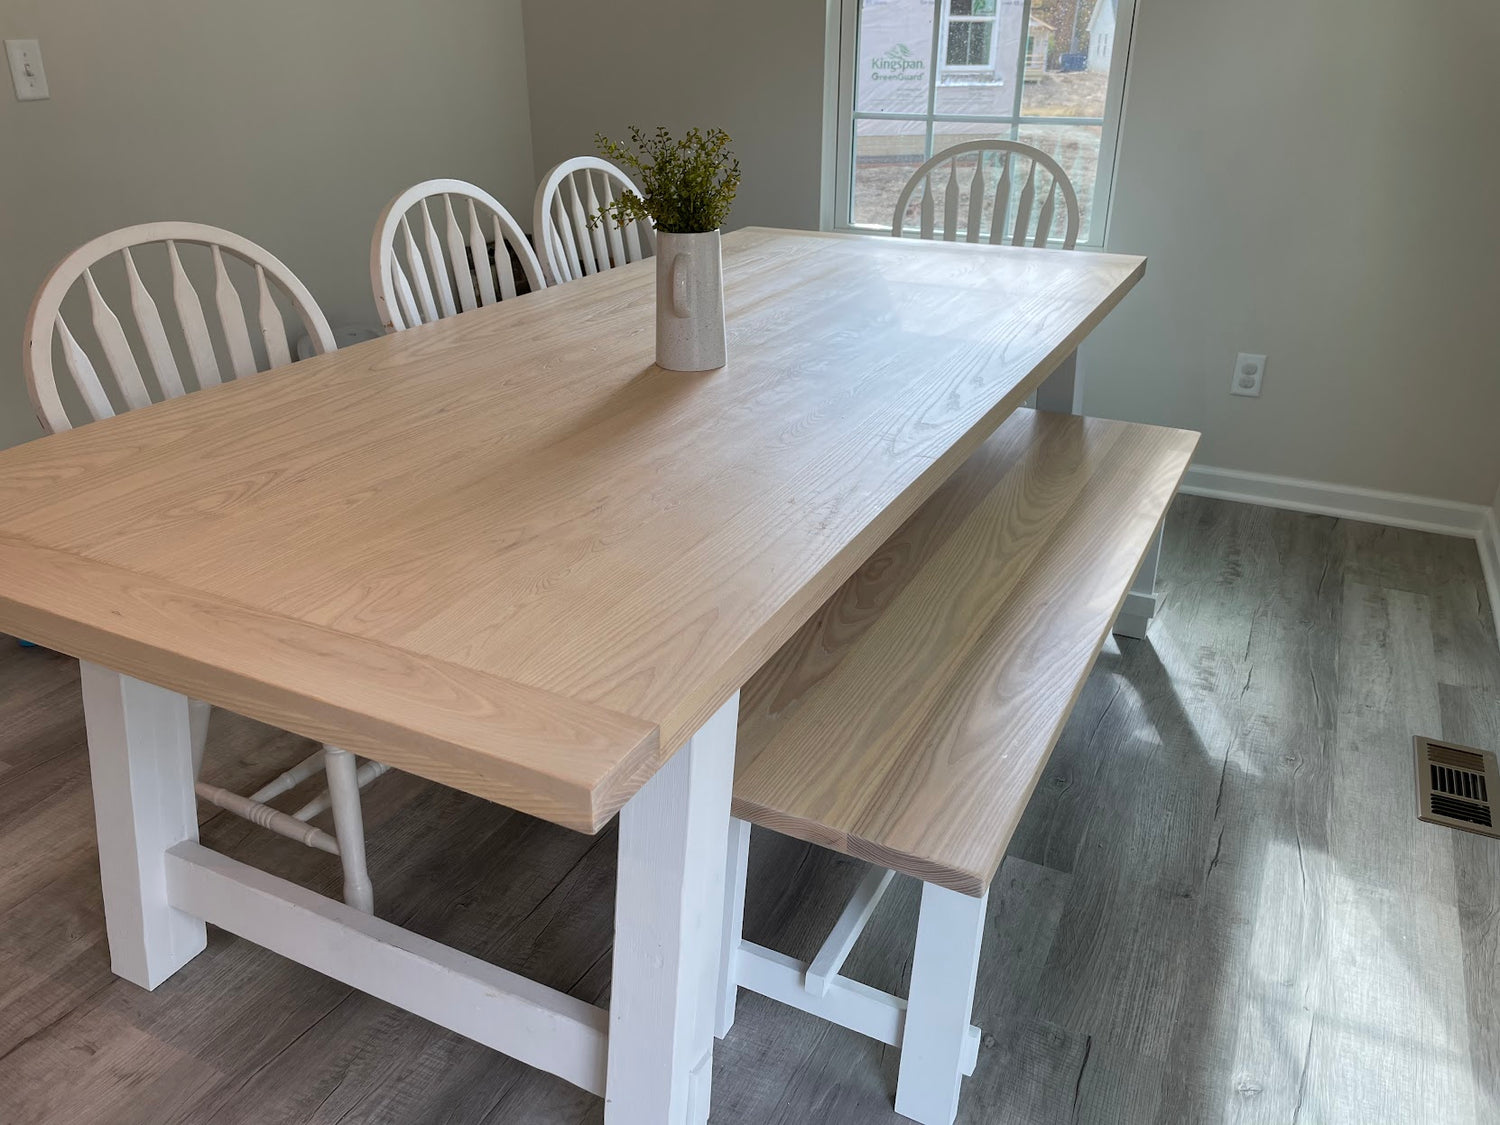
<point x="1456" y="786"/>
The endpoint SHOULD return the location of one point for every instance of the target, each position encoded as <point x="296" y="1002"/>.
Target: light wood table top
<point x="507" y="553"/>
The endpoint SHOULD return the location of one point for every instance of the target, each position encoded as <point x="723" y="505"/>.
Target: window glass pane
<point x="946" y="134"/>
<point x="1076" y="148"/>
<point x="978" y="71"/>
<point x="895" y="56"/>
<point x="1067" y="68"/>
<point x="886" y="153"/>
<point x="1003" y="70"/>
<point x="969" y="42"/>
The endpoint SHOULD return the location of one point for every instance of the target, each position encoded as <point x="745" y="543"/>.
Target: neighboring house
<point x="1102" y="34"/>
<point x="978" y="44"/>
<point x="1038" y="47"/>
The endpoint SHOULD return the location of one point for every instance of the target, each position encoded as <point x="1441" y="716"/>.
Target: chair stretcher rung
<point x="267" y="817"/>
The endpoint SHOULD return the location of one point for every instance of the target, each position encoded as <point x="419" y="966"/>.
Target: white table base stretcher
<point x="650" y="1055"/>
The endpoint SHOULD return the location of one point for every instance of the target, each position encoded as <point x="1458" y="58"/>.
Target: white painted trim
<point x="1489" y="558"/>
<point x="669" y="917"/>
<point x="1394" y="509"/>
<point x="141" y="763"/>
<point x="1117" y="99"/>
<point x="736" y="868"/>
<point x="870" y="1012"/>
<point x="852" y="922"/>
<point x="937" y="1042"/>
<point x="834" y="20"/>
<point x="507" y="1012"/>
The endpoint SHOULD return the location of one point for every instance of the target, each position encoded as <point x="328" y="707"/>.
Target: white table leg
<point x="1062" y="391"/>
<point x="141" y="759"/>
<point x="945" y="967"/>
<point x="668" y="931"/>
<point x="736" y="868"/>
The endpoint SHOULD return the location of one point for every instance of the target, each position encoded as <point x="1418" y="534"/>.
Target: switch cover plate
<point x="26" y="69"/>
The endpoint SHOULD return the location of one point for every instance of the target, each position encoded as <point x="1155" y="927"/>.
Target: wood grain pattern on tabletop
<point x="504" y="551"/>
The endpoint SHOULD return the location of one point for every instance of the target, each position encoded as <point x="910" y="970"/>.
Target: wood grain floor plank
<point x="1383" y="701"/>
<point x="1471" y="717"/>
<point x="1207" y="914"/>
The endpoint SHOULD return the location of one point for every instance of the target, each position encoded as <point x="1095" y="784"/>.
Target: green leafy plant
<point x="687" y="185"/>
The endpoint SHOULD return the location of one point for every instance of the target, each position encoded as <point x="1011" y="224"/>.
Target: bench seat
<point x="907" y="722"/>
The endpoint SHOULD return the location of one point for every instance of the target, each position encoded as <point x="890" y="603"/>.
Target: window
<point x="918" y="76"/>
<point x="969" y="35"/>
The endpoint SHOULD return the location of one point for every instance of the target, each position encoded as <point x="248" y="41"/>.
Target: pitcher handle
<point x="681" y="295"/>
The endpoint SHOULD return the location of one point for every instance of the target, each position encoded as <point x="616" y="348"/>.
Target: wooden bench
<point x="907" y="723"/>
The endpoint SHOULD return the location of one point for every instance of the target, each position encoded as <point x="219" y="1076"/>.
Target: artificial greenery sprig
<point x="687" y="185"/>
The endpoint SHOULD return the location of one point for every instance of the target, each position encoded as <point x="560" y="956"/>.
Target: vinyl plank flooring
<point x="1471" y="717"/>
<point x="1263" y="877"/>
<point x="1219" y="906"/>
<point x="1375" y="835"/>
<point x="1390" y="1039"/>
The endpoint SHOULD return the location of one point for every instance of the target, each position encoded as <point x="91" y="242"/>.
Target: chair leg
<point x="349" y="827"/>
<point x="198" y="713"/>
<point x="734" y="924"/>
<point x="945" y="967"/>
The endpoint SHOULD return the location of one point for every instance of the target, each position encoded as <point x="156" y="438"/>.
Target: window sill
<point x="844" y="228"/>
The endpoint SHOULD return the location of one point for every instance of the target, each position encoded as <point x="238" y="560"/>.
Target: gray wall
<point x="1312" y="181"/>
<point x="752" y="69"/>
<point x="289" y="122"/>
<point x="1317" y="182"/>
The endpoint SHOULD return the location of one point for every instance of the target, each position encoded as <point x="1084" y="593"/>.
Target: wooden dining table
<point x="507" y="553"/>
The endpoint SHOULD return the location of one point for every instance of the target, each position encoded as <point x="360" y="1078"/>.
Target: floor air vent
<point x="1456" y="786"/>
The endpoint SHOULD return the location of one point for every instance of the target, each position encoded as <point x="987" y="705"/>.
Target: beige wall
<point x="752" y="69"/>
<point x="290" y="122"/>
<point x="1316" y="182"/>
<point x="1266" y="174"/>
<point x="1312" y="181"/>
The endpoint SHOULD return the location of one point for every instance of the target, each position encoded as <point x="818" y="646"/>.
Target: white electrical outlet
<point x="26" y="69"/>
<point x="1249" y="370"/>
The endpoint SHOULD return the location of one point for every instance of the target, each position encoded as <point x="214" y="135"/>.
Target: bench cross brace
<point x="939" y="1046"/>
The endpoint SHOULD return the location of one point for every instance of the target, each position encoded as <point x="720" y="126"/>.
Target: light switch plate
<point x="26" y="69"/>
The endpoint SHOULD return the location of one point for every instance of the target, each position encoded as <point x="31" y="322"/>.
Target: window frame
<point x="949" y="19"/>
<point x="840" y="116"/>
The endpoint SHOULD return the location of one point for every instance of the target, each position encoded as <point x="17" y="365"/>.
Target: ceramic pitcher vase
<point x="689" y="302"/>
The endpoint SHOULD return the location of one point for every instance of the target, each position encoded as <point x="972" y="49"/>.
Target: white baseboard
<point x="1394" y="509"/>
<point x="1489" y="559"/>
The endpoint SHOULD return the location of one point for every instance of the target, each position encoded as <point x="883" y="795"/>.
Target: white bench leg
<point x="140" y="749"/>
<point x="935" y="1046"/>
<point x="736" y="868"/>
<point x="669" y="919"/>
<point x="349" y="825"/>
<point x="1140" y="603"/>
<point x="1062" y="393"/>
